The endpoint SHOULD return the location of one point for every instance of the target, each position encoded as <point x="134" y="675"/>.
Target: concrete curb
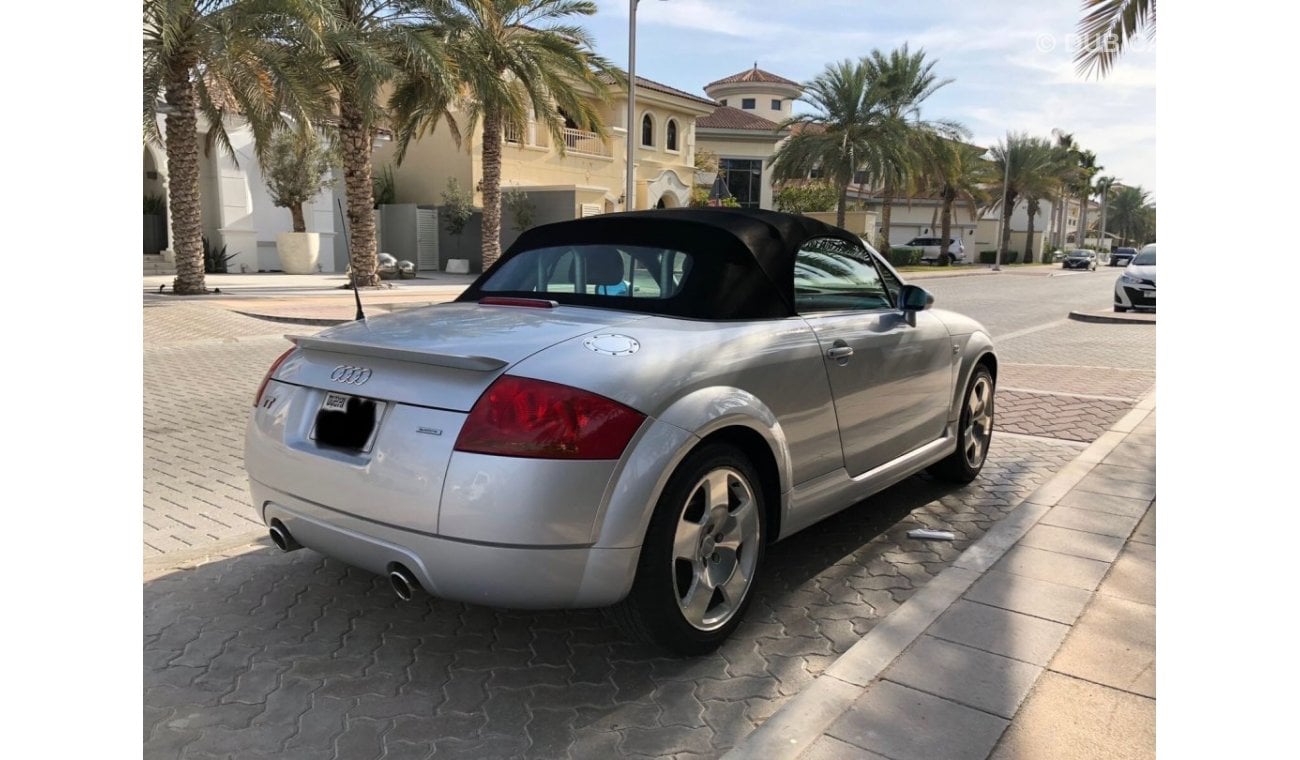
<point x="1117" y="319"/>
<point x="794" y="727"/>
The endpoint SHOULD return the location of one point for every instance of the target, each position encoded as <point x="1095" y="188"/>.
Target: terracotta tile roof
<point x="725" y="117"/>
<point x="799" y="129"/>
<point x="650" y="84"/>
<point x="753" y="75"/>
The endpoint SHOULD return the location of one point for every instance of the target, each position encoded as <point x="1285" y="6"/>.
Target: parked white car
<point x="930" y="249"/>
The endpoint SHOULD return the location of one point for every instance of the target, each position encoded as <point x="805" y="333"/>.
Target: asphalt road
<point x="252" y="653"/>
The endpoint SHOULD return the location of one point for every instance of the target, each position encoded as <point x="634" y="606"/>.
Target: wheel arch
<point x="759" y="453"/>
<point x="978" y="353"/>
<point x="707" y="415"/>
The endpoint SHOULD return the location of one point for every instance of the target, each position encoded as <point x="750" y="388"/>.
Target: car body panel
<point x="891" y="394"/>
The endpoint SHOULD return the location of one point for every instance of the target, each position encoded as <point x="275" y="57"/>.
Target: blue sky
<point x="1011" y="61"/>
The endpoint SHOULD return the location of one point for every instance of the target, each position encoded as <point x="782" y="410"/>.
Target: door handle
<point x="840" y="352"/>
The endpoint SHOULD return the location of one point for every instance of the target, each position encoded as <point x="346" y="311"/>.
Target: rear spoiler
<point x="473" y="363"/>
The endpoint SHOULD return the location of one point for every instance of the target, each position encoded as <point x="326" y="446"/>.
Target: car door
<point x="890" y="375"/>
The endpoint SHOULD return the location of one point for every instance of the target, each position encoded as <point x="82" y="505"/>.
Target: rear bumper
<point x="521" y="577"/>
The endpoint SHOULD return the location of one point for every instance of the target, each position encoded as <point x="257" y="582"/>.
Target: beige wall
<point x="986" y="239"/>
<point x="536" y="161"/>
<point x="861" y="223"/>
<point x="429" y="163"/>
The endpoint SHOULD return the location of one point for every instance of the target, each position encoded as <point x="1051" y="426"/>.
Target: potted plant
<point x="457" y="210"/>
<point x="297" y="169"/>
<point x="706" y="167"/>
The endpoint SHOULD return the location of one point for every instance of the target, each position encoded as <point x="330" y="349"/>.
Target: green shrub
<point x="154" y="205"/>
<point x="904" y="256"/>
<point x="216" y="261"/>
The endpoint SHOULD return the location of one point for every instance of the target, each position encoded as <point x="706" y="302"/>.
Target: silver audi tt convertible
<point x="622" y="411"/>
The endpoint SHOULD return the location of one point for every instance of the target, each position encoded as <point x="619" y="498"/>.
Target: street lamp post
<point x="629" y="199"/>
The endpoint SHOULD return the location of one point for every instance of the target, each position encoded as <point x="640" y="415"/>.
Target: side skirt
<point x="821" y="497"/>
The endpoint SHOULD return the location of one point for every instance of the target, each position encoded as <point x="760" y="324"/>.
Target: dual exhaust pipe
<point x="402" y="581"/>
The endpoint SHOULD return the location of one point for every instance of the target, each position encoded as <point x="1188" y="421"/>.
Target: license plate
<point x="347" y="422"/>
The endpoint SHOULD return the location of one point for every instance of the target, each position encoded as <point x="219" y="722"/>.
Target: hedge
<point x="904" y="256"/>
<point x="988" y="257"/>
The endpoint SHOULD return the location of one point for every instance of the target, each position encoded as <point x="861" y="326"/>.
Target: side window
<point x="834" y="275"/>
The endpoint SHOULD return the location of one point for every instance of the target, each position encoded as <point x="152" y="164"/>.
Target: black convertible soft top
<point x="743" y="259"/>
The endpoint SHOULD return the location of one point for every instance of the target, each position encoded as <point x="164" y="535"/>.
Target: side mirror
<point x="915" y="298"/>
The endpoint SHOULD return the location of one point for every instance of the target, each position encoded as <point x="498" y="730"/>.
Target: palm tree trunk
<point x="886" y="206"/>
<point x="183" y="182"/>
<point x="842" y="206"/>
<point x="945" y="228"/>
<point x="491" y="187"/>
<point x="358" y="179"/>
<point x="1029" y="235"/>
<point x="1101" y="235"/>
<point x="1083" y="221"/>
<point x="1006" y="227"/>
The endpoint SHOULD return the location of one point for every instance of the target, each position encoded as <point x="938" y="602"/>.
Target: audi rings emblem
<point x="350" y="375"/>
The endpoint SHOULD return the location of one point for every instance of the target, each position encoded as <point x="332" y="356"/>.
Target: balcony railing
<point x="576" y="141"/>
<point x="589" y="143"/>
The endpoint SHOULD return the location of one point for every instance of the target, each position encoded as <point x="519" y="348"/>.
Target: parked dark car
<point x="1122" y="256"/>
<point x="1081" y="258"/>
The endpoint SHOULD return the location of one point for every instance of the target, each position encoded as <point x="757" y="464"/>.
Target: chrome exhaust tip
<point x="404" y="584"/>
<point x="281" y="538"/>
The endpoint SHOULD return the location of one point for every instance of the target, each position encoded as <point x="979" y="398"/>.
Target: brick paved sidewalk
<point x="1039" y="641"/>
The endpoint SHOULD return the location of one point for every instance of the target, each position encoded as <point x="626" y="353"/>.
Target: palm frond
<point x="1106" y="27"/>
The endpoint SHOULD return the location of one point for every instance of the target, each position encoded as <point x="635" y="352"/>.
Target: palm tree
<point x="955" y="171"/>
<point x="213" y="57"/>
<point x="849" y="129"/>
<point x="906" y="80"/>
<point x="1067" y="158"/>
<point x="1108" y="26"/>
<point x="368" y="46"/>
<point x="1088" y="168"/>
<point x="520" y="56"/>
<point x="1131" y="214"/>
<point x="1033" y="170"/>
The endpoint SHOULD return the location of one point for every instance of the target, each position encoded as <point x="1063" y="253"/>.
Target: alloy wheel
<point x="979" y="421"/>
<point x="715" y="548"/>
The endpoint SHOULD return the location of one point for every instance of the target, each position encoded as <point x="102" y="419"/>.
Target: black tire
<point x="653" y="611"/>
<point x="961" y="466"/>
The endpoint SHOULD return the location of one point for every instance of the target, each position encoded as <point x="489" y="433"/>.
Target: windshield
<point x="622" y="271"/>
<point x="1146" y="258"/>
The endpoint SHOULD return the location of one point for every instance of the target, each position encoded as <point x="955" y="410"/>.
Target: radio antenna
<point x="352" y="272"/>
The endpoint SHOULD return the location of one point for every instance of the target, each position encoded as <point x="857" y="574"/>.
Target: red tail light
<point x="521" y="417"/>
<point x="274" y="366"/>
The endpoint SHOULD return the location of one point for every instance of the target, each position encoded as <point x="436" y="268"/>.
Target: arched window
<point x="671" y="144"/>
<point x="647" y="131"/>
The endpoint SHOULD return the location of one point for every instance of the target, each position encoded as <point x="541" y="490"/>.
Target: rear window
<point x="616" y="271"/>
